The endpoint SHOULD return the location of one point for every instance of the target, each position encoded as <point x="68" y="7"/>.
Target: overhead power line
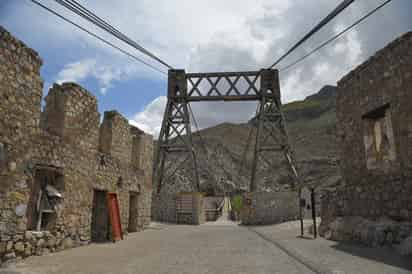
<point x="98" y="37"/>
<point x="82" y="11"/>
<point x="342" y="6"/>
<point x="335" y="37"/>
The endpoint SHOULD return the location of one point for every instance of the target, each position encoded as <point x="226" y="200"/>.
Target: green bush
<point x="237" y="203"/>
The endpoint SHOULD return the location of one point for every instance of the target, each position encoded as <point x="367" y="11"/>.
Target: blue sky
<point x="197" y="35"/>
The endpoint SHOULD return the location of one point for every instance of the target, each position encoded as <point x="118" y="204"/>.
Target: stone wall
<point x="374" y="128"/>
<point x="20" y="93"/>
<point x="164" y="208"/>
<point x="263" y="208"/>
<point x="164" y="203"/>
<point x="115" y="137"/>
<point x="192" y="210"/>
<point x="61" y="147"/>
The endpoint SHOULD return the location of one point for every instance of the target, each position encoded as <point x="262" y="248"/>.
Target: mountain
<point x="224" y="165"/>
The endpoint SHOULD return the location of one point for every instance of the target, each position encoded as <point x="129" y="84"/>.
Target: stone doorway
<point x="100" y="217"/>
<point x="133" y="211"/>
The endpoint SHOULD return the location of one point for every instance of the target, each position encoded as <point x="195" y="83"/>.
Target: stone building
<point x="57" y="165"/>
<point x="373" y="204"/>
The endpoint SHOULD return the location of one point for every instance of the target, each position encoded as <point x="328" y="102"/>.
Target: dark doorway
<point x="133" y="211"/>
<point x="100" y="217"/>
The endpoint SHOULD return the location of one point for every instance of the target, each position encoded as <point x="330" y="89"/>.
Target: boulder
<point x="3" y="246"/>
<point x="328" y="235"/>
<point x="46" y="251"/>
<point x="28" y="249"/>
<point x="405" y="247"/>
<point x="389" y="238"/>
<point x="19" y="247"/>
<point x="10" y="256"/>
<point x="51" y="242"/>
<point x="40" y="243"/>
<point x="28" y="235"/>
<point x="38" y="234"/>
<point x="9" y="246"/>
<point x="67" y="243"/>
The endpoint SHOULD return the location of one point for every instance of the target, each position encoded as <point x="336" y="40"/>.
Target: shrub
<point x="237" y="203"/>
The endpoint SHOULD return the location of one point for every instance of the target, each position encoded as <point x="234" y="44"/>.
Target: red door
<point x="114" y="214"/>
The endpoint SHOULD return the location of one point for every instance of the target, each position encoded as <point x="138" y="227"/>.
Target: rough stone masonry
<point x="57" y="165"/>
<point x="373" y="205"/>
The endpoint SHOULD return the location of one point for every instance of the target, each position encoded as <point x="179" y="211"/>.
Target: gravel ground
<point x="223" y="248"/>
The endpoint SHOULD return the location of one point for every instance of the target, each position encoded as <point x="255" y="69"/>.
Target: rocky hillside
<point x="311" y="127"/>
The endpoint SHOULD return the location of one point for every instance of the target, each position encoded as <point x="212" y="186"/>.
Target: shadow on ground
<point x="384" y="255"/>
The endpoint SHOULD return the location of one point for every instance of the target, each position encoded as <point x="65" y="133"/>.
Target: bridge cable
<point x="342" y="6"/>
<point x="203" y="143"/>
<point x="97" y="37"/>
<point x="335" y="37"/>
<point x="94" y="19"/>
<point x="248" y="141"/>
<point x="91" y="17"/>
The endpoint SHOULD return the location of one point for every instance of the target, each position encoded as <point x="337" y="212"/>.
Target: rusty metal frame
<point x="183" y="88"/>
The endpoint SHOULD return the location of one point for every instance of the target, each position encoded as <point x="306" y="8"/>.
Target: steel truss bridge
<point x="176" y="135"/>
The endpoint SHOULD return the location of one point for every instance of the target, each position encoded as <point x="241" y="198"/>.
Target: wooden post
<point x="300" y="212"/>
<point x="313" y="202"/>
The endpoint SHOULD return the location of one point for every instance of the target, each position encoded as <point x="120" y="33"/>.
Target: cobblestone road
<point x="223" y="248"/>
<point x="172" y="249"/>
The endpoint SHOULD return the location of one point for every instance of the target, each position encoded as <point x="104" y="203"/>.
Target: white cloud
<point x="105" y="74"/>
<point x="251" y="44"/>
<point x="76" y="71"/>
<point x="150" y="119"/>
<point x="220" y="35"/>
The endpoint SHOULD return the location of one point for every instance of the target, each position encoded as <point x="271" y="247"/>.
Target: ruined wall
<point x="115" y="136"/>
<point x="63" y="146"/>
<point x="20" y="97"/>
<point x="118" y="161"/>
<point x="262" y="208"/>
<point x="142" y="162"/>
<point x="374" y="105"/>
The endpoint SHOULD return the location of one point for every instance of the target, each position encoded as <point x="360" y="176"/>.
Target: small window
<point x="378" y="138"/>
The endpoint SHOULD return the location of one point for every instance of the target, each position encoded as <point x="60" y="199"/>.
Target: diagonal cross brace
<point x="176" y="136"/>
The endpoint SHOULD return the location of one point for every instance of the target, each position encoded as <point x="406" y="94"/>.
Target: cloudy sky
<point x="212" y="35"/>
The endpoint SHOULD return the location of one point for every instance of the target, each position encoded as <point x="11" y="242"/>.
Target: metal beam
<point x="224" y="98"/>
<point x="176" y="136"/>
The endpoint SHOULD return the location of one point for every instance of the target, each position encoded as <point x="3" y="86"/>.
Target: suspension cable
<point x="342" y="6"/>
<point x="98" y="37"/>
<point x="88" y="15"/>
<point x="203" y="143"/>
<point x="94" y="19"/>
<point x="335" y="37"/>
<point x="248" y="141"/>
